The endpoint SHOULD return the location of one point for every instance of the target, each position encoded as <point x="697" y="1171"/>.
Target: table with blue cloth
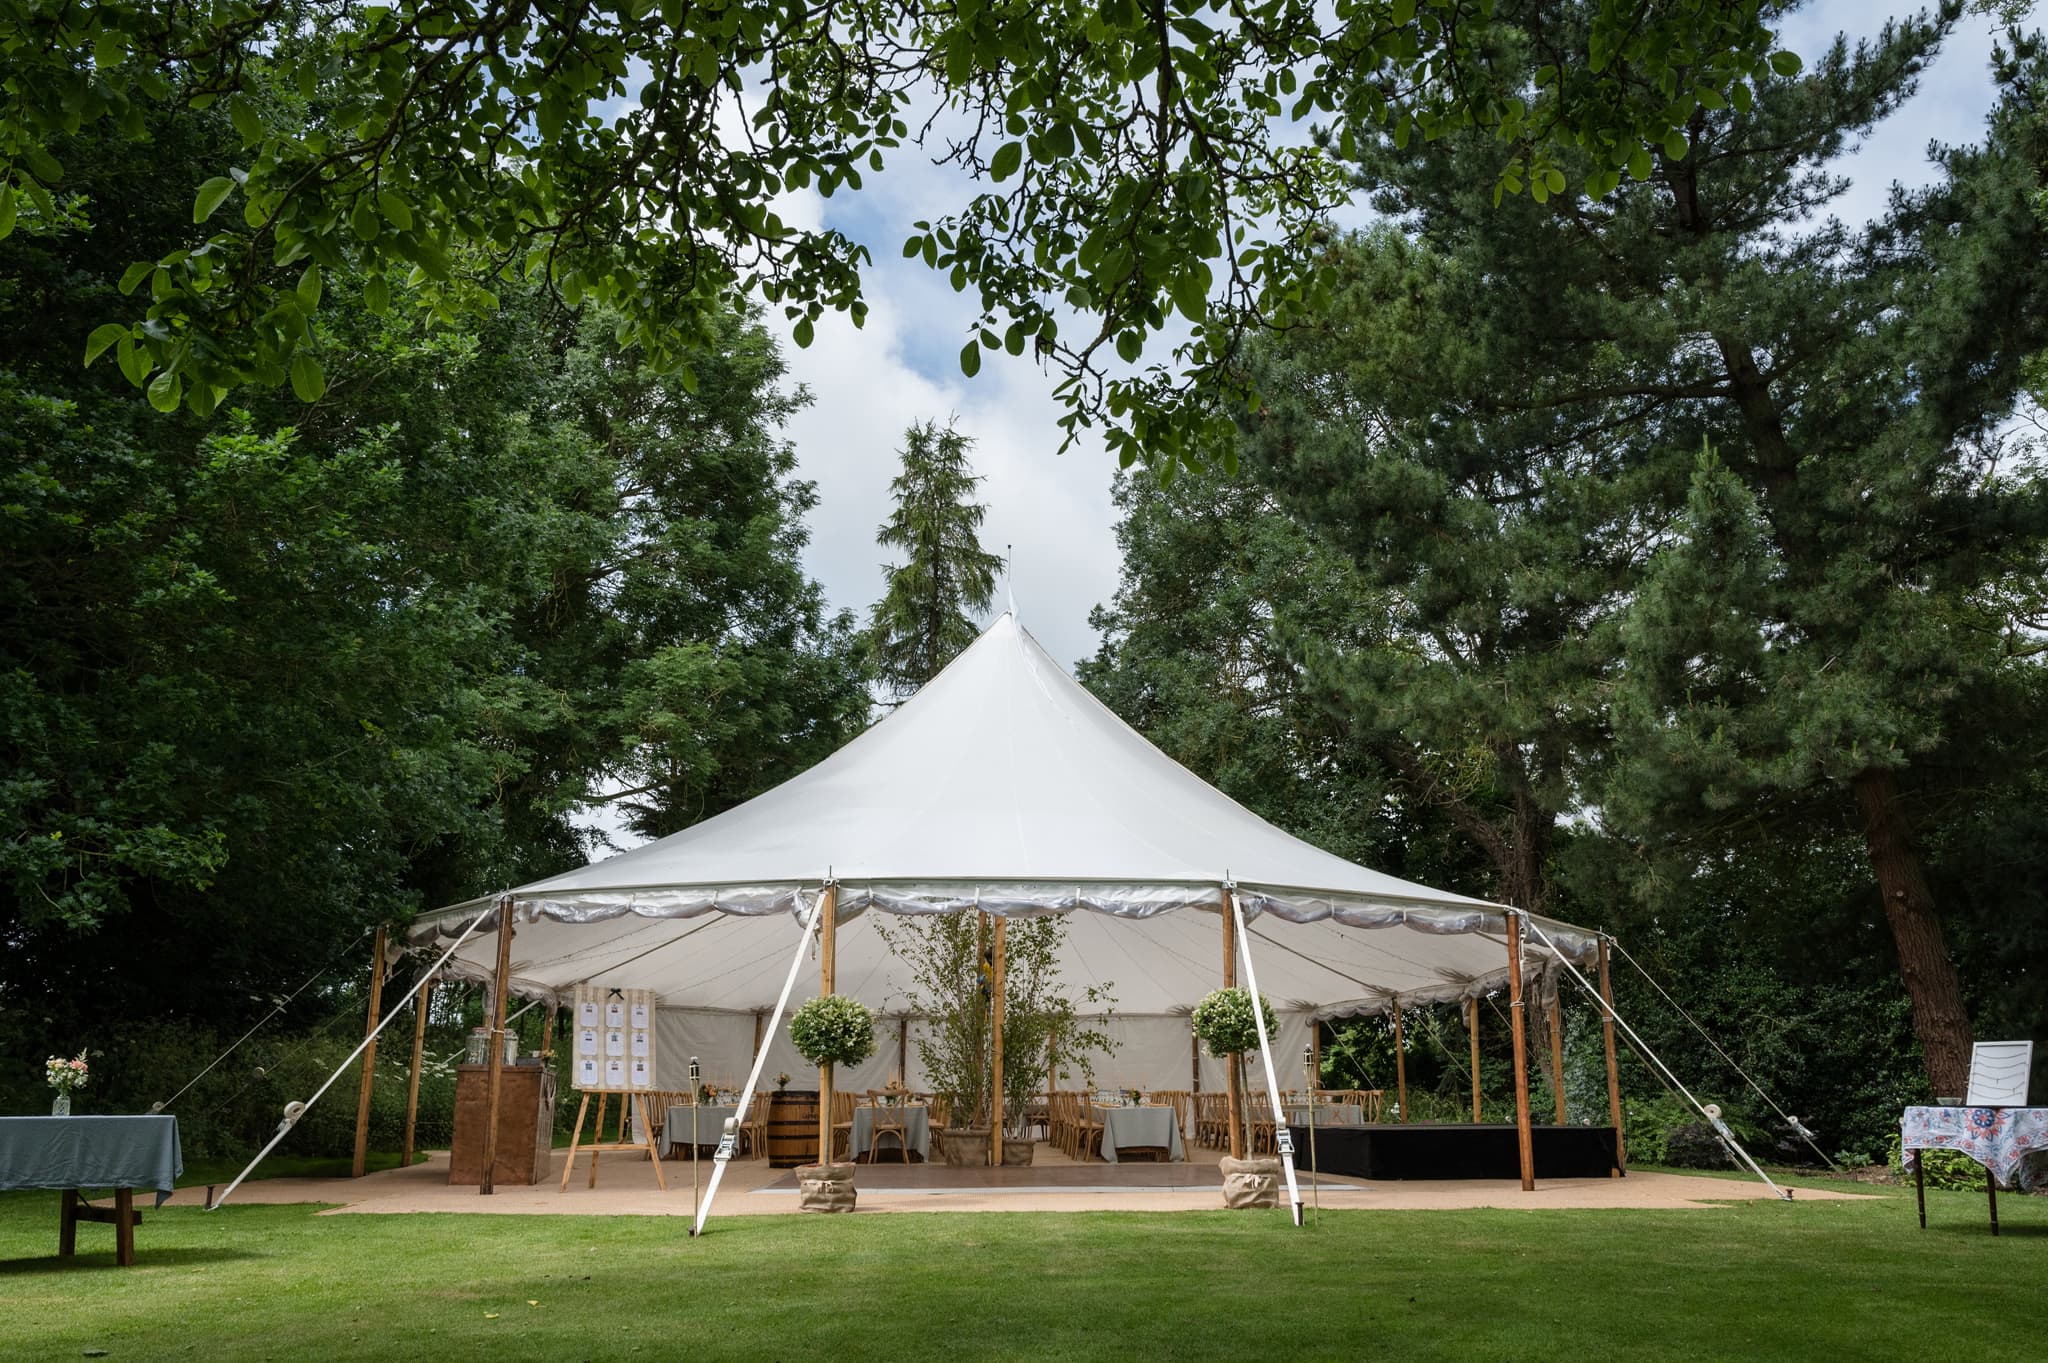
<point x="78" y="1153"/>
<point x="1999" y="1138"/>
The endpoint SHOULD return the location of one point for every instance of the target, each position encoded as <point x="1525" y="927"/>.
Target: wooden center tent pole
<point x="1400" y="1062"/>
<point x="501" y="981"/>
<point x="996" y="977"/>
<point x="362" y="1153"/>
<point x="1613" y="1071"/>
<point x="828" y="968"/>
<point x="1523" y="1138"/>
<point x="1230" y="1062"/>
<point x="422" y="1003"/>
<point x="1474" y="1027"/>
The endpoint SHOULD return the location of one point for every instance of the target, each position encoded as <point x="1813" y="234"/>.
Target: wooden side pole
<point x="828" y="968"/>
<point x="1400" y="1063"/>
<point x="902" y="1050"/>
<point x="1613" y="1071"/>
<point x="760" y="1021"/>
<point x="1315" y="1034"/>
<point x="500" y="983"/>
<point x="995" y="1097"/>
<point x="1230" y="1063"/>
<point x="1475" y="1060"/>
<point x="1523" y="1139"/>
<point x="422" y="1002"/>
<point x="359" y="1164"/>
<point x="1556" y="1012"/>
<point x="547" y="1036"/>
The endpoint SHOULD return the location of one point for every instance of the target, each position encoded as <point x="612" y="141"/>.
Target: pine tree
<point x="926" y="614"/>
<point x="1508" y="427"/>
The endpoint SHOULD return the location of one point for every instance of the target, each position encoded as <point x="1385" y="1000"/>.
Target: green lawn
<point x="1811" y="1280"/>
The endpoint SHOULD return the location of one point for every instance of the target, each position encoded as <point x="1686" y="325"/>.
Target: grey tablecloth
<point x="90" y="1152"/>
<point x="916" y="1125"/>
<point x="1328" y="1114"/>
<point x="1124" y="1127"/>
<point x="675" y="1127"/>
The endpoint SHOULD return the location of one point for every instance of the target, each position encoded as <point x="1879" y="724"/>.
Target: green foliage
<point x="272" y="675"/>
<point x="1666" y="1130"/>
<point x="1950" y="1170"/>
<point x="833" y="1030"/>
<point x="925" y="616"/>
<point x="1118" y="154"/>
<point x="1224" y="1022"/>
<point x="951" y="962"/>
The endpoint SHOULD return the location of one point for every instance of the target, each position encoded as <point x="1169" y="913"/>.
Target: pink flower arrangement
<point x="65" y="1075"/>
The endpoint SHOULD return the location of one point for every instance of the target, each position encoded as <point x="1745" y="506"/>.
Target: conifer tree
<point x="1506" y="426"/>
<point x="926" y="614"/>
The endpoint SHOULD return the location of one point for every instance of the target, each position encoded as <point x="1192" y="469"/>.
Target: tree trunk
<point x="1939" y="1018"/>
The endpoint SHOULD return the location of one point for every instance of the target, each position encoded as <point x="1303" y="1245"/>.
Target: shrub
<point x="833" y="1030"/>
<point x="1949" y="1169"/>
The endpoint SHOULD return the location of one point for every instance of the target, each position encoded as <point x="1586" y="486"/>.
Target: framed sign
<point x="614" y="1039"/>
<point x="1998" y="1073"/>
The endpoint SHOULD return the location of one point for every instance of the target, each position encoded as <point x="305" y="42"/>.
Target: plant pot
<point x="1250" y="1183"/>
<point x="825" y="1188"/>
<point x="967" y="1146"/>
<point x="1017" y="1151"/>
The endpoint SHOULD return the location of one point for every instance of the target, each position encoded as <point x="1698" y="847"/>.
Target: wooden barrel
<point x="793" y="1128"/>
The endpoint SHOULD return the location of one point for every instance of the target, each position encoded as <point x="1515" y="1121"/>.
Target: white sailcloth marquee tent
<point x="1002" y="786"/>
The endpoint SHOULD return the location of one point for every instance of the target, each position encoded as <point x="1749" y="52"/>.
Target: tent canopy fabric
<point x="1002" y="785"/>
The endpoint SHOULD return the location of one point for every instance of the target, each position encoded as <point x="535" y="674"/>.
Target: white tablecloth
<point x="1126" y="1127"/>
<point x="916" y="1125"/>
<point x="675" y="1127"/>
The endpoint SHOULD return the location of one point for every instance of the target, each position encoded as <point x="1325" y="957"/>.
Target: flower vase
<point x="61" y="1107"/>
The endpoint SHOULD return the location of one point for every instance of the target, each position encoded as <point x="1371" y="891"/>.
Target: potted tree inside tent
<point x="1037" y="1016"/>
<point x="828" y="1032"/>
<point x="1224" y="1023"/>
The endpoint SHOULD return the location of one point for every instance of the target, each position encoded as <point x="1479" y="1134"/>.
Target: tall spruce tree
<point x="926" y="614"/>
<point x="1513" y="436"/>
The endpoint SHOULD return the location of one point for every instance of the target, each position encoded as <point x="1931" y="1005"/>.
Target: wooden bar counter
<point x="526" y="1124"/>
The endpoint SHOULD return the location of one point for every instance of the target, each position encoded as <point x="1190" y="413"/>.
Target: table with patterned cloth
<point x="917" y="1128"/>
<point x="1125" y="1128"/>
<point x="675" y="1127"/>
<point x="1327" y="1114"/>
<point x="1999" y="1138"/>
<point x="78" y="1153"/>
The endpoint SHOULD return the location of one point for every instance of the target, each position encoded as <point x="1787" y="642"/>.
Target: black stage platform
<point x="1455" y="1151"/>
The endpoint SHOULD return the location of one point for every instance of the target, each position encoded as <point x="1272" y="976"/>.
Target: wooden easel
<point x="598" y="1144"/>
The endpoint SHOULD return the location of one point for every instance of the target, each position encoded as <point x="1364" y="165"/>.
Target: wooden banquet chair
<point x="886" y="1120"/>
<point x="842" y="1124"/>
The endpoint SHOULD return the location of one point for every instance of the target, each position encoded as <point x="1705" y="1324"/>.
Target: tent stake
<point x="1473" y="1010"/>
<point x="1613" y="1071"/>
<point x="359" y="1163"/>
<point x="422" y="1003"/>
<point x="1523" y="1138"/>
<point x="826" y="904"/>
<point x="1282" y="1138"/>
<point x="499" y="985"/>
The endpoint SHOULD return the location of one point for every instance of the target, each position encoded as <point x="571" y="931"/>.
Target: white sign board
<point x="615" y="1046"/>
<point x="1998" y="1073"/>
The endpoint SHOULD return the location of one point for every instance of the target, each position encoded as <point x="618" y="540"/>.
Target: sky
<point x="1051" y="511"/>
<point x="1054" y="509"/>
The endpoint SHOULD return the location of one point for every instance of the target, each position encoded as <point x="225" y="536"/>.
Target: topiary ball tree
<point x="1224" y="1022"/>
<point x="833" y="1030"/>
